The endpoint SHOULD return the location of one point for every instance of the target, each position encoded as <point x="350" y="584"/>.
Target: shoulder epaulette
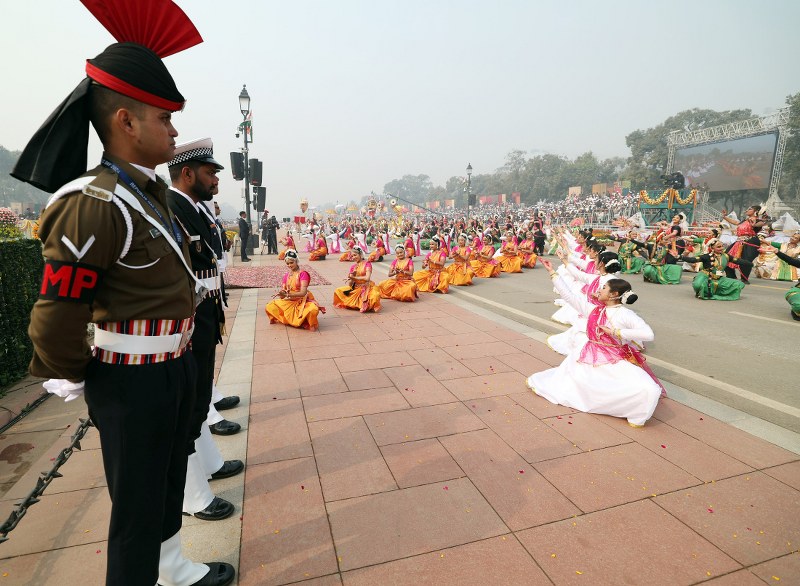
<point x="102" y="186"/>
<point x="98" y="183"/>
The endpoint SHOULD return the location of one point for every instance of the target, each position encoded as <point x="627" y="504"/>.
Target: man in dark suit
<point x="272" y="235"/>
<point x="244" y="234"/>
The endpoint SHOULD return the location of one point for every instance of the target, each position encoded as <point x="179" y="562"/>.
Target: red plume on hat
<point x="147" y="30"/>
<point x="159" y="25"/>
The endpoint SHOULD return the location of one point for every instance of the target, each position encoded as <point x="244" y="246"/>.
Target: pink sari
<point x="605" y="349"/>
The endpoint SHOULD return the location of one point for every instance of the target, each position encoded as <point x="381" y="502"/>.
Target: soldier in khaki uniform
<point x="115" y="257"/>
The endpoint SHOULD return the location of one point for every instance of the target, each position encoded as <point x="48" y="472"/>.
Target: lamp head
<point x="244" y="101"/>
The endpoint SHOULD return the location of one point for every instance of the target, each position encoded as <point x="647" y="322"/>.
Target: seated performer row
<point x="297" y="307"/>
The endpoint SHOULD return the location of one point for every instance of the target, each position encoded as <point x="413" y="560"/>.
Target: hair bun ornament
<point x="627" y="295"/>
<point x="291" y="254"/>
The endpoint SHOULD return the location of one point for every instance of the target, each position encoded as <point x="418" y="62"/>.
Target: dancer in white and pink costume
<point x="608" y="374"/>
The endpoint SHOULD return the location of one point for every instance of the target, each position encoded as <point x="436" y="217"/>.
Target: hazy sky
<point x="348" y="95"/>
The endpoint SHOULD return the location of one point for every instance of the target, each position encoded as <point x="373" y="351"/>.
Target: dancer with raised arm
<point x="587" y="284"/>
<point x="744" y="251"/>
<point x="711" y="282"/>
<point x="608" y="374"/>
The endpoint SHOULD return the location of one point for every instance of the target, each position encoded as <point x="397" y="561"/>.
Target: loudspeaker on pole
<point x="255" y="172"/>
<point x="261" y="198"/>
<point x="237" y="166"/>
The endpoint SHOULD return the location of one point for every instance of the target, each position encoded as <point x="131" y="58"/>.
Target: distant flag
<point x="247" y="127"/>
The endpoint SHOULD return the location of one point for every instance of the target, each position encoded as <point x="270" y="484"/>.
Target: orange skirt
<point x="485" y="268"/>
<point x="298" y="312"/>
<point x="377" y="255"/>
<point x="510" y="264"/>
<point x="460" y="273"/>
<point x="363" y="298"/>
<point x="425" y="280"/>
<point x="318" y="254"/>
<point x="405" y="290"/>
<point x="347" y="257"/>
<point x="529" y="260"/>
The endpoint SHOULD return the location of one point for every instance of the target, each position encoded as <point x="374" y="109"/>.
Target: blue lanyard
<point x="126" y="179"/>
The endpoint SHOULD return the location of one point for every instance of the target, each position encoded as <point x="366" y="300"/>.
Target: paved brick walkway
<point x="404" y="448"/>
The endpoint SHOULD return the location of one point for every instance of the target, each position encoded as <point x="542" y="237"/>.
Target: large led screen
<point x="744" y="163"/>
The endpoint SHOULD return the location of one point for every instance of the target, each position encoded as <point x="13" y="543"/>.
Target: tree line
<point x="549" y="177"/>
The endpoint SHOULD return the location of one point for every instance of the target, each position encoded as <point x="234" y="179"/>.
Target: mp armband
<point x="70" y="281"/>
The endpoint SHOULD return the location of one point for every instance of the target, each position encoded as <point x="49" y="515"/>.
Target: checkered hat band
<point x="191" y="154"/>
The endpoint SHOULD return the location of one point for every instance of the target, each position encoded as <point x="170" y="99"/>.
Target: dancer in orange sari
<point x="410" y="247"/>
<point x="380" y="250"/>
<point x="511" y="260"/>
<point x="460" y="271"/>
<point x="288" y="242"/>
<point x="320" y="248"/>
<point x="360" y="292"/>
<point x="485" y="266"/>
<point x="296" y="305"/>
<point x="432" y="278"/>
<point x="399" y="286"/>
<point x="348" y="255"/>
<point x="526" y="249"/>
<point x="477" y="245"/>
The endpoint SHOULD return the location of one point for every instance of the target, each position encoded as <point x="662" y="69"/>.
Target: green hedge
<point x="21" y="267"/>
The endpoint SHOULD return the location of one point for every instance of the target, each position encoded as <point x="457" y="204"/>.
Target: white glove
<point x="63" y="388"/>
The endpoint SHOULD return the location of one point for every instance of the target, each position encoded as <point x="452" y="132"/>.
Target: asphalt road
<point x="741" y="353"/>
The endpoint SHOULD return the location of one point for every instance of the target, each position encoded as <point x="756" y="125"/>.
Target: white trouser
<point x="208" y="452"/>
<point x="213" y="415"/>
<point x="174" y="569"/>
<point x="206" y="460"/>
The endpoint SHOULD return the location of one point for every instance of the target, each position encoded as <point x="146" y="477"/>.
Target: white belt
<point x="132" y="344"/>
<point x="211" y="283"/>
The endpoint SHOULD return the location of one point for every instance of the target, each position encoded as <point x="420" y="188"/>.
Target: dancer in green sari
<point x="630" y="251"/>
<point x="711" y="282"/>
<point x="662" y="268"/>
<point x="793" y="294"/>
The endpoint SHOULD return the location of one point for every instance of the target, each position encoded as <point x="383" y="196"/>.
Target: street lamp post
<point x="244" y="106"/>
<point x="469" y="184"/>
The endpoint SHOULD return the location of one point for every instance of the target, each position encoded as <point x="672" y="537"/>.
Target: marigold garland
<point x="650" y="201"/>
<point x="689" y="199"/>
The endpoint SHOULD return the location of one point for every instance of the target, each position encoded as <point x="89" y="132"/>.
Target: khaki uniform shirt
<point x="84" y="235"/>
